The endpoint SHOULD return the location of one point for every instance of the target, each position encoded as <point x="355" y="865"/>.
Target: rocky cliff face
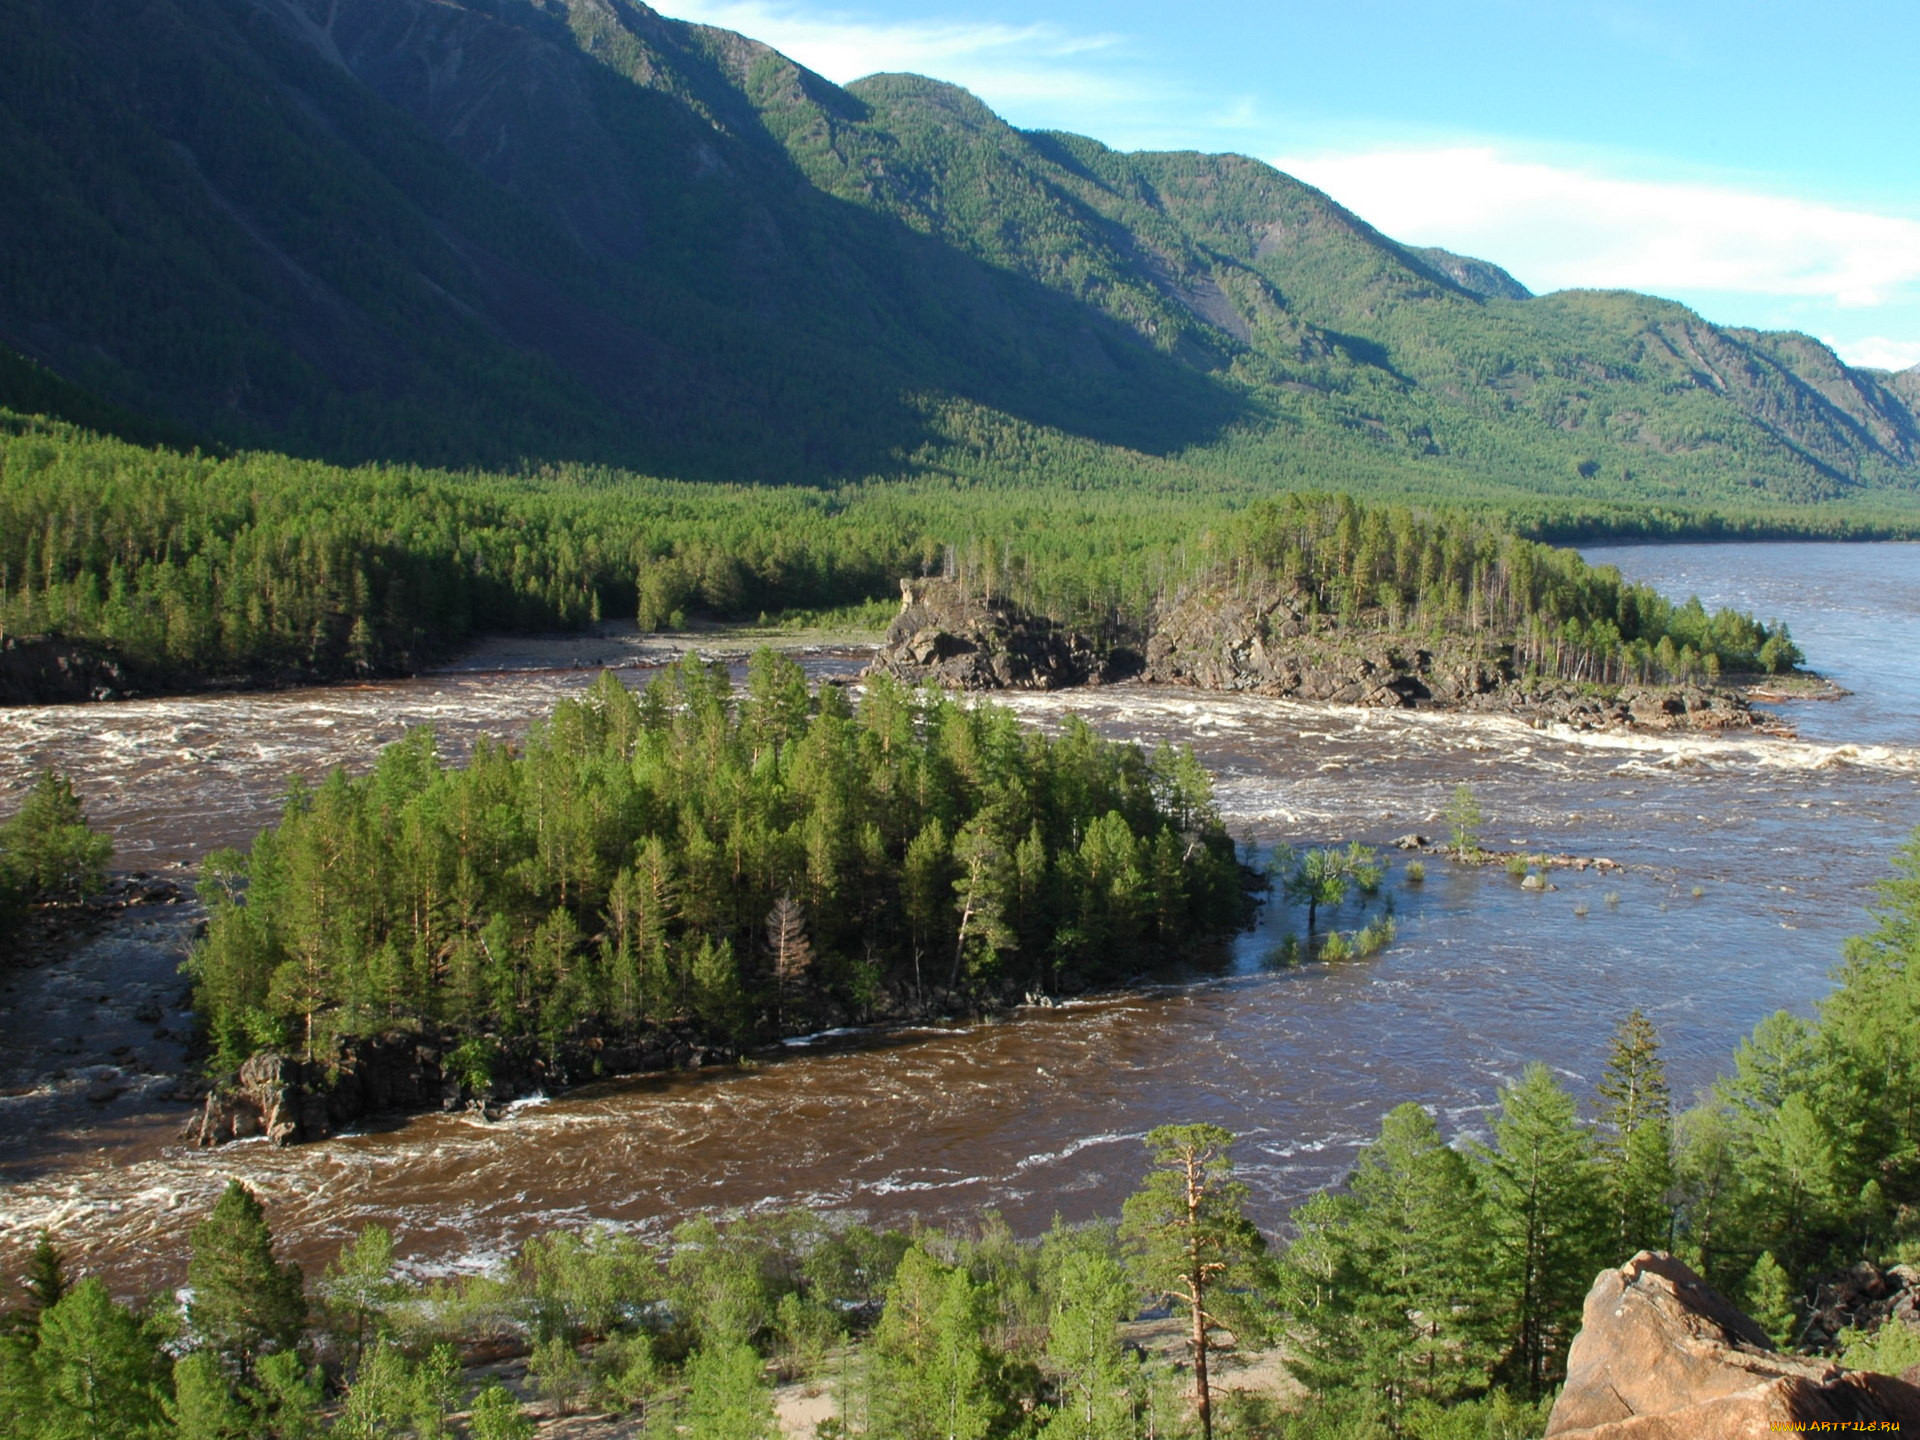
<point x="1662" y="1356"/>
<point x="948" y="635"/>
<point x="1263" y="643"/>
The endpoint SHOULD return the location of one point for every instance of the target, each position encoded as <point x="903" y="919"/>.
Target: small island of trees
<point x="735" y="866"/>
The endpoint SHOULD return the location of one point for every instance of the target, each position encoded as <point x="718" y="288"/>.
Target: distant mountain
<point x="1481" y="277"/>
<point x="480" y="232"/>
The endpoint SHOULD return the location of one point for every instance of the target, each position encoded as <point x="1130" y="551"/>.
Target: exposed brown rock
<point x="1662" y="1356"/>
<point x="964" y="641"/>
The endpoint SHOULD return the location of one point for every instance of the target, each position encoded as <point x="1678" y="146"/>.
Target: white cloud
<point x="1557" y="227"/>
<point x="1878" y="352"/>
<point x="1002" y="62"/>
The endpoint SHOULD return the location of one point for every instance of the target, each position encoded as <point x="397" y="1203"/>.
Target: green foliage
<point x="1387" y="1285"/>
<point x="1891" y="1349"/>
<point x="395" y="1396"/>
<point x="496" y="1415"/>
<point x="1546" y="1214"/>
<point x="94" y="1371"/>
<point x="1320" y="877"/>
<point x="1770" y="1300"/>
<point x="933" y="1373"/>
<point x="1637" y="1143"/>
<point x="1810" y="1150"/>
<point x="245" y="1305"/>
<point x="1104" y="313"/>
<point x="357" y="1290"/>
<point x="1188" y="1236"/>
<point x="45" y="1282"/>
<point x="619" y="874"/>
<point x="48" y="851"/>
<point x="727" y="1395"/>
<point x="1464" y="818"/>
<point x="1094" y="1382"/>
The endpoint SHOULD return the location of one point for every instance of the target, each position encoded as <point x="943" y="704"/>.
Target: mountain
<point x="488" y="232"/>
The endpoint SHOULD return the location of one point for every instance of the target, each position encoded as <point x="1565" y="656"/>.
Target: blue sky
<point x="1757" y="161"/>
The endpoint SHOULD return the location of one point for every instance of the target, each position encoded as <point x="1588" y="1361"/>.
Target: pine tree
<point x="1464" y="817"/>
<point x="1546" y="1214"/>
<point x="792" y="956"/>
<point x="727" y="1395"/>
<point x="48" y="849"/>
<point x="498" y="1416"/>
<point x="101" y="1373"/>
<point x="245" y="1305"/>
<point x="356" y="1289"/>
<point x="1770" y="1299"/>
<point x="1189" y="1235"/>
<point x="204" y="1405"/>
<point x="1386" y="1285"/>
<point x="1092" y="1376"/>
<point x="1637" y="1144"/>
<point x="932" y="1375"/>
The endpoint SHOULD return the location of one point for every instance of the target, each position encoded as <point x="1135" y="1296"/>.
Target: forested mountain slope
<point x="479" y="233"/>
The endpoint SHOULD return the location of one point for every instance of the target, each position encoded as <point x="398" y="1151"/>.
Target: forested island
<point x="677" y="875"/>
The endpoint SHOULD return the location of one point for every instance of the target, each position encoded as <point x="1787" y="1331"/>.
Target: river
<point x="1747" y="861"/>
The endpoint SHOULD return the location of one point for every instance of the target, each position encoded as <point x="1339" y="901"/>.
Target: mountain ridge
<point x="470" y="233"/>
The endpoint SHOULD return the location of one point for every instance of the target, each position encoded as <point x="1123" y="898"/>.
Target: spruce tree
<point x="245" y="1305"/>
<point x="45" y="1282"/>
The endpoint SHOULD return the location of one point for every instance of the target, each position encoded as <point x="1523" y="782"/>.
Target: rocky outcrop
<point x="1262" y="642"/>
<point x="949" y="636"/>
<point x="1863" y="1298"/>
<point x="1662" y="1356"/>
<point x="1639" y="707"/>
<point x="291" y="1101"/>
<point x="39" y="670"/>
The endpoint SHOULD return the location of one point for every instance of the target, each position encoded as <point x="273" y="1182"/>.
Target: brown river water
<point x="1038" y="1113"/>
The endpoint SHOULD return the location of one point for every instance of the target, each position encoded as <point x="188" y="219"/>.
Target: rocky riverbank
<point x="1262" y="643"/>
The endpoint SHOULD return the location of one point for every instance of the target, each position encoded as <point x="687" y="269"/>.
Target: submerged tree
<point x="1464" y="816"/>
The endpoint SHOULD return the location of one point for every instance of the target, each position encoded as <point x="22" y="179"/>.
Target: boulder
<point x="947" y="634"/>
<point x="1662" y="1356"/>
